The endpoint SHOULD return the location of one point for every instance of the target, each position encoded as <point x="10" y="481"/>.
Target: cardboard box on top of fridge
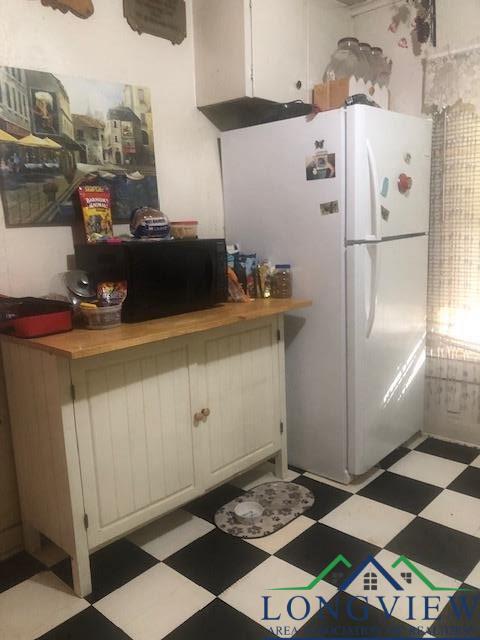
<point x="332" y="94"/>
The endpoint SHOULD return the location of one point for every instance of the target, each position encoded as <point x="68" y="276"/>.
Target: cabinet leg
<point x="31" y="538"/>
<point x="82" y="579"/>
<point x="281" y="466"/>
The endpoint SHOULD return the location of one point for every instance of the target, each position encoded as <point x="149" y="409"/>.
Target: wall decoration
<point x="421" y="16"/>
<point x="163" y="18"/>
<point x="81" y="8"/>
<point x="57" y="132"/>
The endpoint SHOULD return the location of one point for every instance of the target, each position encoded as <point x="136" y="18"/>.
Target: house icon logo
<point x="370" y="570"/>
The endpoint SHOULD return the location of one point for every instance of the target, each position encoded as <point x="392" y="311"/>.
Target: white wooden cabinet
<point x="237" y="376"/>
<point x="136" y="443"/>
<point x="250" y="48"/>
<point x="280" y="49"/>
<point x="106" y="443"/>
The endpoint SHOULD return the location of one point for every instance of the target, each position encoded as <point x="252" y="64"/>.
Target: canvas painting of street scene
<point x="58" y="132"/>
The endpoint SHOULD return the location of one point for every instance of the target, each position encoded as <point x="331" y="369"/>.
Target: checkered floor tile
<point x="398" y="555"/>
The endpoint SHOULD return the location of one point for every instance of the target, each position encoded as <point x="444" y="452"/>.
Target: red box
<point x="34" y="317"/>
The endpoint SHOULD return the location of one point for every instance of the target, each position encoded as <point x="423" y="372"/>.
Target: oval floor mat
<point x="282" y="503"/>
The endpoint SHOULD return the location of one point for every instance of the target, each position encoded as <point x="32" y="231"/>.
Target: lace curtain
<point x="452" y="97"/>
<point x="452" y="78"/>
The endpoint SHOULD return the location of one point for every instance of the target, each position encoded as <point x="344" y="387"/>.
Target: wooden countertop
<point x="84" y="343"/>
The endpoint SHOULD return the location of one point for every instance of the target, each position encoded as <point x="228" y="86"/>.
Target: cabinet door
<point x="237" y="379"/>
<point x="280" y="49"/>
<point x="134" y="429"/>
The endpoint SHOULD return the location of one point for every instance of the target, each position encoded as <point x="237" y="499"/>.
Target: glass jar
<point x="282" y="281"/>
<point x="366" y="61"/>
<point x="381" y="67"/>
<point x="385" y="72"/>
<point x="345" y="62"/>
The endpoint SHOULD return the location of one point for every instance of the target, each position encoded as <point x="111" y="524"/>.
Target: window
<point x="24" y="105"/>
<point x="14" y="98"/>
<point x="141" y="95"/>
<point x="114" y="124"/>
<point x="145" y="140"/>
<point x="143" y="118"/>
<point x="407" y="576"/>
<point x="370" y="581"/>
<point x="7" y="93"/>
<point x="80" y="134"/>
<point x="116" y="138"/>
<point x="454" y="274"/>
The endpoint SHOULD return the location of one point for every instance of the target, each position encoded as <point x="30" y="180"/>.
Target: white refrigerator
<point x="343" y="198"/>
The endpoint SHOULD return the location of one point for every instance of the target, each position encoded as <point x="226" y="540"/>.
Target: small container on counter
<point x="106" y="311"/>
<point x="281" y="281"/>
<point x="102" y="317"/>
<point x="184" y="229"/>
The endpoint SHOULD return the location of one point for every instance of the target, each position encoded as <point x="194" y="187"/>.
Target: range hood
<point x="246" y="112"/>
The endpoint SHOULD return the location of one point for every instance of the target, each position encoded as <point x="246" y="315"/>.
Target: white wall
<point x="328" y="22"/>
<point x="458" y="26"/>
<point x="106" y="48"/>
<point x="103" y="47"/>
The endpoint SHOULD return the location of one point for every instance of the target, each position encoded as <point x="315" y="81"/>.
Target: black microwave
<point x="163" y="277"/>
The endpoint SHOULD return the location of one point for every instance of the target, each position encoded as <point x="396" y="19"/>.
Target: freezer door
<point x="386" y="295"/>
<point x="388" y="174"/>
<point x="272" y="209"/>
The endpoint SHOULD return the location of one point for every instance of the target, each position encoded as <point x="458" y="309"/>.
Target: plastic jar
<point x="282" y="281"/>
<point x="183" y="229"/>
<point x="103" y="317"/>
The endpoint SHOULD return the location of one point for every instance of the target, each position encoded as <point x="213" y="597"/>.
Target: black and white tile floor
<point x="180" y="578"/>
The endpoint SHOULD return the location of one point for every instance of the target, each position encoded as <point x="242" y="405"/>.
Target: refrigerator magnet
<point x="404" y="183"/>
<point x="385" y="213"/>
<point x="320" y="164"/>
<point x="327" y="208"/>
<point x="385" y="185"/>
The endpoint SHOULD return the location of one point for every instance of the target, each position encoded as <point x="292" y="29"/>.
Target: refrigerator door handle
<point x="372" y="307"/>
<point x="374" y="190"/>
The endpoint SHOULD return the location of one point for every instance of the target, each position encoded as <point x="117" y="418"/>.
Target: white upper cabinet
<point x="250" y="48"/>
<point x="280" y="52"/>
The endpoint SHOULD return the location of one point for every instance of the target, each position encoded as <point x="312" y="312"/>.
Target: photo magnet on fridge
<point x="327" y="208"/>
<point x="320" y="164"/>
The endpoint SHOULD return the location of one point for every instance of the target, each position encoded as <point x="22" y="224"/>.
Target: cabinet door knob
<point x="201" y="416"/>
<point x="299" y="84"/>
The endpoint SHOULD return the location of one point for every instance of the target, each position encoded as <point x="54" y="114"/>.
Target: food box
<point x="332" y="94"/>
